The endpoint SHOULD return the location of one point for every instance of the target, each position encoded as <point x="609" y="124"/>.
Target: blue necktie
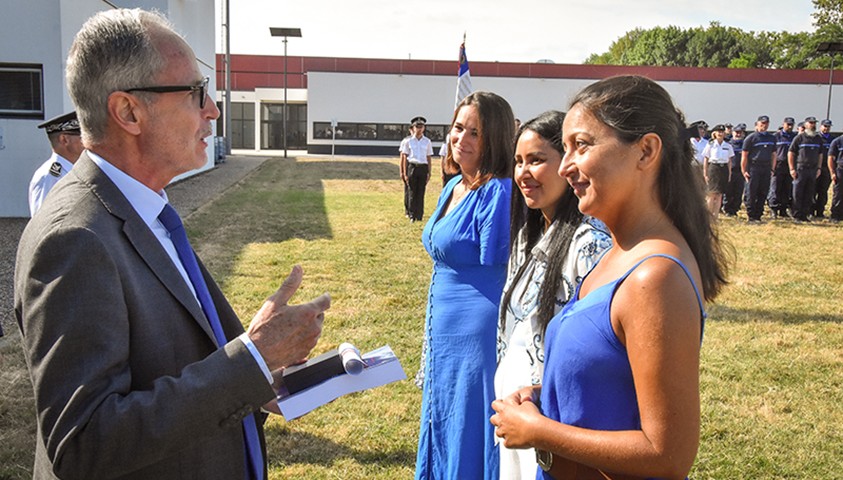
<point x="173" y="224"/>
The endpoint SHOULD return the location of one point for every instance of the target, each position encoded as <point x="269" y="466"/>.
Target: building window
<point x="436" y="133"/>
<point x="322" y="130"/>
<point x="347" y="130"/>
<point x="242" y="135"/>
<point x="243" y="125"/>
<point x="272" y="137"/>
<point x="393" y="131"/>
<point x="375" y="131"/>
<point x="21" y="91"/>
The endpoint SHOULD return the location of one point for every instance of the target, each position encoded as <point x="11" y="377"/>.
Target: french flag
<point x="464" y="77"/>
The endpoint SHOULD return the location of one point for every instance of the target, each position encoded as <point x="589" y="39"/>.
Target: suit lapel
<point x="141" y="238"/>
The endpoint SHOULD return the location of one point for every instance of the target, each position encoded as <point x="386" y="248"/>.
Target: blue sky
<point x="506" y="31"/>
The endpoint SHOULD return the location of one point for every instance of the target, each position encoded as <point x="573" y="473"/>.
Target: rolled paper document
<point x="351" y="360"/>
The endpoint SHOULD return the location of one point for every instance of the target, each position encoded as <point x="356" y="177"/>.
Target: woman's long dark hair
<point x="634" y="106"/>
<point x="566" y="218"/>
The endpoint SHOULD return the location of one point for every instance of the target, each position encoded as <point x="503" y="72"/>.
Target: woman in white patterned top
<point x="552" y="247"/>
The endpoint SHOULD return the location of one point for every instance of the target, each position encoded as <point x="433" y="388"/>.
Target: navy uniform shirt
<point x="737" y="146"/>
<point x="807" y="149"/>
<point x="783" y="141"/>
<point x="835" y="150"/>
<point x="760" y="147"/>
<point x="827" y="139"/>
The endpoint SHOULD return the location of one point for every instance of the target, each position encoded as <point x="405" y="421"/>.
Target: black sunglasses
<point x="202" y="88"/>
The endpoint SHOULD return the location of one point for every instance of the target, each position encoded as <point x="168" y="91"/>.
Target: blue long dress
<point x="469" y="247"/>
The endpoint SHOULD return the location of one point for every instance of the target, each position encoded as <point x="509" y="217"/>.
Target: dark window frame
<point x="35" y="92"/>
<point x="372" y="131"/>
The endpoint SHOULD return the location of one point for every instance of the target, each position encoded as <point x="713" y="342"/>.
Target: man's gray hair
<point x="112" y="52"/>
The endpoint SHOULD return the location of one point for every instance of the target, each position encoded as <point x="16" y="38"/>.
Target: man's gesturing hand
<point x="285" y="334"/>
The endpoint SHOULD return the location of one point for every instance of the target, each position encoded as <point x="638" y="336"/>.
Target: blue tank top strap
<point x="687" y="273"/>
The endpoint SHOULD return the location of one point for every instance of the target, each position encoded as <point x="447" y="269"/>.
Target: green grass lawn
<point x="772" y="358"/>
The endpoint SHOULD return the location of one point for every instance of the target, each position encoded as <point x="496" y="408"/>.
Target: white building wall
<point x="30" y="33"/>
<point x="386" y="98"/>
<point x="41" y="32"/>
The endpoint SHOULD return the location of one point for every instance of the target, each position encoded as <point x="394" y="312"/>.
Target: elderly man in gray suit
<point x="140" y="367"/>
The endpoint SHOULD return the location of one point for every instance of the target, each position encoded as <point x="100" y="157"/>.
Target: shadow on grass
<point x="283" y="199"/>
<point x="286" y="448"/>
<point x="724" y="313"/>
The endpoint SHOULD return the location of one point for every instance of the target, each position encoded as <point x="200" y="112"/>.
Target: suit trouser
<point x="781" y="189"/>
<point x="759" y="186"/>
<point x="837" y="196"/>
<point x="417" y="175"/>
<point x="803" y="191"/>
<point x="821" y="193"/>
<point x="732" y="198"/>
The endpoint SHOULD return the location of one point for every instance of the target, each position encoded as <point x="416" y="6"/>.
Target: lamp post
<point x="227" y="105"/>
<point x="285" y="32"/>
<point x="832" y="48"/>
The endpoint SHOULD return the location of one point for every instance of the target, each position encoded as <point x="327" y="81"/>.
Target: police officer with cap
<point x="759" y="154"/>
<point x="804" y="161"/>
<point x="732" y="197"/>
<point x="66" y="141"/>
<point x="416" y="154"/>
<point x="824" y="180"/>
<point x="781" y="186"/>
<point x="698" y="139"/>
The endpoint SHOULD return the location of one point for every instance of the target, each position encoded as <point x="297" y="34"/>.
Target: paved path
<point x="186" y="196"/>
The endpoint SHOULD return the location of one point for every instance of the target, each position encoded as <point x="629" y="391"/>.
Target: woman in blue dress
<point x="468" y="239"/>
<point x="620" y="391"/>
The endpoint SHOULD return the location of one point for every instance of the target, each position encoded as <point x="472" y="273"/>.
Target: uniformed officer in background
<point x="698" y="139"/>
<point x="66" y="141"/>
<point x="759" y="154"/>
<point x="781" y="186"/>
<point x="734" y="191"/>
<point x="835" y="165"/>
<point x="416" y="155"/>
<point x="824" y="180"/>
<point x="804" y="161"/>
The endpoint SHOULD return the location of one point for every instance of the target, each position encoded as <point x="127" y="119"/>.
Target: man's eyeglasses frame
<point x="202" y="88"/>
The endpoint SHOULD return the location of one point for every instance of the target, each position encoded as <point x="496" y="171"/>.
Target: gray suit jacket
<point x="128" y="380"/>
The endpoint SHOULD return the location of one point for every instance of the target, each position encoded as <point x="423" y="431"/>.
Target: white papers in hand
<point x="381" y="367"/>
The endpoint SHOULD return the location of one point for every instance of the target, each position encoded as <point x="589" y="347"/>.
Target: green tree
<point x="745" y="60"/>
<point x="617" y="50"/>
<point x="662" y="46"/>
<point x="715" y="46"/>
<point x="832" y="32"/>
<point x="719" y="46"/>
<point x="827" y="12"/>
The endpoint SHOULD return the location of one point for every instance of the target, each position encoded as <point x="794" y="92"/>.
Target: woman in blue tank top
<point x="620" y="392"/>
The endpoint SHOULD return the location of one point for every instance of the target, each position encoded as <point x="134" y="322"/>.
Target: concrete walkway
<point x="186" y="196"/>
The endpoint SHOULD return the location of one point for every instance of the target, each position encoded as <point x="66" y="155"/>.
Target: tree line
<point x="729" y="47"/>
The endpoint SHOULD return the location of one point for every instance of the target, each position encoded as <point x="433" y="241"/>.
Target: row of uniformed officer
<point x="766" y="166"/>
